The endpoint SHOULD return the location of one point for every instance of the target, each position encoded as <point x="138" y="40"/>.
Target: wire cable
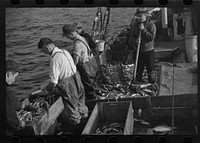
<point x="173" y="98"/>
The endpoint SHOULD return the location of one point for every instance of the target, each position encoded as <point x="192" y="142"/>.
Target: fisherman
<point x="13" y="124"/>
<point x="65" y="78"/>
<point x="146" y="53"/>
<point x="83" y="57"/>
<point x="87" y="37"/>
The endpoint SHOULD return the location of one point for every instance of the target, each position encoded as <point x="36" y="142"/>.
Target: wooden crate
<point x="103" y="112"/>
<point x="41" y="127"/>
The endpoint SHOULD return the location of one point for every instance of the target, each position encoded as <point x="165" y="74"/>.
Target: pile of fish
<point x="124" y="91"/>
<point x="34" y="111"/>
<point x="110" y="128"/>
<point x="116" y="81"/>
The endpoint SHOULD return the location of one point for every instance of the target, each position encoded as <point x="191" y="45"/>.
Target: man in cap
<point x="88" y="38"/>
<point x="82" y="54"/>
<point x="13" y="124"/>
<point x="146" y="54"/>
<point x="65" y="78"/>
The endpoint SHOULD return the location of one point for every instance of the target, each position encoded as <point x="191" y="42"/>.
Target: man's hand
<point x="25" y="103"/>
<point x="141" y="26"/>
<point x="138" y="40"/>
<point x="43" y="86"/>
<point x="22" y="123"/>
<point x="129" y="59"/>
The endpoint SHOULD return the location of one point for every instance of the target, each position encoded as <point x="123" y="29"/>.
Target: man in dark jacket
<point x="147" y="54"/>
<point x="13" y="124"/>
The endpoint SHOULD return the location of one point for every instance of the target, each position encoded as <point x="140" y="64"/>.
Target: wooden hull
<point x="159" y="104"/>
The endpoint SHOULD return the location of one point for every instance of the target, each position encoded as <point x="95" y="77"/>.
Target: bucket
<point x="191" y="48"/>
<point x="100" y="45"/>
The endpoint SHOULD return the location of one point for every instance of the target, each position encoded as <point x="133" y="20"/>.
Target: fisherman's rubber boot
<point x="152" y="77"/>
<point x="139" y="78"/>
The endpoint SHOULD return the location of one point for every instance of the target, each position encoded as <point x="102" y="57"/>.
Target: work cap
<point x="142" y="14"/>
<point x="78" y="25"/>
<point x="141" y="11"/>
<point x="68" y="28"/>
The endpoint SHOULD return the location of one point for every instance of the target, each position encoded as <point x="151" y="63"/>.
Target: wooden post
<point x="176" y="36"/>
<point x="190" y="39"/>
<point x="187" y="18"/>
<point x="164" y="35"/>
<point x="164" y="18"/>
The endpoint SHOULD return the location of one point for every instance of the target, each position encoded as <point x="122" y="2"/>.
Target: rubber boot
<point x="152" y="77"/>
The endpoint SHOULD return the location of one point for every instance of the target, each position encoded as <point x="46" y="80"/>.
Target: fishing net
<point x="111" y="73"/>
<point x="128" y="71"/>
<point x="116" y="73"/>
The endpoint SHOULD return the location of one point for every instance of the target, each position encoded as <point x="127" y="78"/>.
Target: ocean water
<point x="26" y="26"/>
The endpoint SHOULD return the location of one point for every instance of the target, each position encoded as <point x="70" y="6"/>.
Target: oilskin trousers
<point x="146" y="59"/>
<point x="88" y="72"/>
<point x="73" y="95"/>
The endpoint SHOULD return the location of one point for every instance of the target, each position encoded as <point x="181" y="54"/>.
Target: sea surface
<point x="26" y="26"/>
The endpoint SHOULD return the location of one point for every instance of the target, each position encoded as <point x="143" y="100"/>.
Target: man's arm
<point x="17" y="104"/>
<point x="91" y="43"/>
<point x="150" y="32"/>
<point x="54" y="74"/>
<point x="11" y="117"/>
<point x="76" y="59"/>
<point x="76" y="53"/>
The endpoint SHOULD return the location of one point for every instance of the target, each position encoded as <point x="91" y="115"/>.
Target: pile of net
<point x="110" y="73"/>
<point x="116" y="73"/>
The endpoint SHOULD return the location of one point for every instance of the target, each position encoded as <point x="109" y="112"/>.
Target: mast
<point x="164" y="35"/>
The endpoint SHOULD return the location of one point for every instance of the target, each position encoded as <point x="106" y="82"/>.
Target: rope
<point x="100" y="24"/>
<point x="173" y="99"/>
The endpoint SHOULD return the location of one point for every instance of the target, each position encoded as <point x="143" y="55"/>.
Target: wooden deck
<point x="166" y="49"/>
<point x="185" y="82"/>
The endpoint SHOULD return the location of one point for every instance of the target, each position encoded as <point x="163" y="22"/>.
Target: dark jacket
<point x="12" y="122"/>
<point x="147" y="36"/>
<point x="16" y="102"/>
<point x="91" y="43"/>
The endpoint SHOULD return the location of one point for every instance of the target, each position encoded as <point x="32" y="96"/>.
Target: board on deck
<point x="41" y="127"/>
<point x="110" y="112"/>
<point x="185" y="82"/>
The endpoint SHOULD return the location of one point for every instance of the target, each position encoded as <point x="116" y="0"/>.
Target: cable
<point x="173" y="99"/>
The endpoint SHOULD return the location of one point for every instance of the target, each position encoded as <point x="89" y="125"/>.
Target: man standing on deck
<point x="87" y="37"/>
<point x="82" y="54"/>
<point x="146" y="54"/>
<point x="13" y="124"/>
<point x="64" y="76"/>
